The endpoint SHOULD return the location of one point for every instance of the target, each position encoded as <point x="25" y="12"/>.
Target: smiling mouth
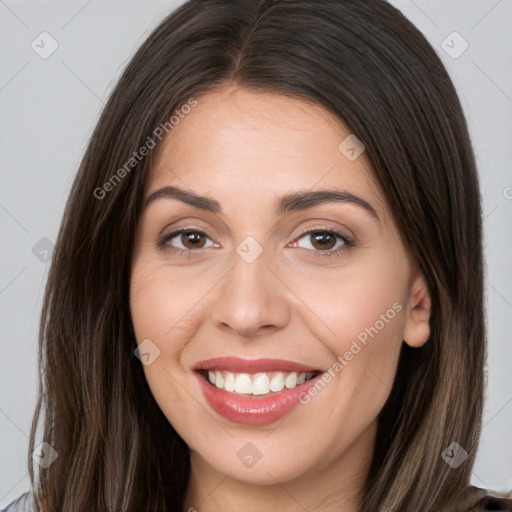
<point x="254" y="391"/>
<point x="256" y="384"/>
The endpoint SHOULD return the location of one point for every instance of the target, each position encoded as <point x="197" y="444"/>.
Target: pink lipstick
<point x="248" y="408"/>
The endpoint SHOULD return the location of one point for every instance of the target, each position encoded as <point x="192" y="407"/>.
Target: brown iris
<point x="193" y="238"/>
<point x="322" y="240"/>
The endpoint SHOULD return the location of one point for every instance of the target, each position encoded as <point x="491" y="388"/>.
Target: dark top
<point x="25" y="503"/>
<point x="492" y="503"/>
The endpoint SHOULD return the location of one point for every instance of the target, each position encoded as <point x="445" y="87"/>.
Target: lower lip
<point x="253" y="411"/>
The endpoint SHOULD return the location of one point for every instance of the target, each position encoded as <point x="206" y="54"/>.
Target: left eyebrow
<point x="301" y="200"/>
<point x="307" y="199"/>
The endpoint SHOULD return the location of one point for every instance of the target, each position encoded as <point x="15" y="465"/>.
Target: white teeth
<point x="277" y="383"/>
<point x="229" y="382"/>
<point x="291" y="381"/>
<point x="243" y="384"/>
<point x="219" y="379"/>
<point x="259" y="383"/>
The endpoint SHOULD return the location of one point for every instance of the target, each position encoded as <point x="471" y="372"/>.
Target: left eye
<point x="324" y="240"/>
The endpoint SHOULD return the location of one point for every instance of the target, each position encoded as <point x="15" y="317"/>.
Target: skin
<point x="245" y="149"/>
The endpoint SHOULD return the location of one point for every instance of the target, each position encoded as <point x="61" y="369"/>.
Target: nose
<point x="251" y="300"/>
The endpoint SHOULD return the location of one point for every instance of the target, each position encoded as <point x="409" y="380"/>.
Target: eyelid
<point x="175" y="231"/>
<point x="333" y="231"/>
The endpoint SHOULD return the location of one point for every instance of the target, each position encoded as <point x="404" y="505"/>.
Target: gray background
<point x="50" y="106"/>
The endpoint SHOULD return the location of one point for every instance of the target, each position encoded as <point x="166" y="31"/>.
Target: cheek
<point x="360" y="317"/>
<point x="165" y="300"/>
<point x="365" y="303"/>
<point x="168" y="306"/>
<point x="155" y="310"/>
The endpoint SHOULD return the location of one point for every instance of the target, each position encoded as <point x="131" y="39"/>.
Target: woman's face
<point x="289" y="266"/>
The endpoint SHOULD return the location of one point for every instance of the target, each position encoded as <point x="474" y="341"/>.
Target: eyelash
<point x="164" y="239"/>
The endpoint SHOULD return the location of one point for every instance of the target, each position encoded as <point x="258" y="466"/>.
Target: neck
<point x="336" y="485"/>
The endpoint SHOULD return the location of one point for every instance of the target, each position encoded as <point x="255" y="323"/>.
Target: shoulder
<point x="25" y="503"/>
<point x="495" y="503"/>
<point x="476" y="499"/>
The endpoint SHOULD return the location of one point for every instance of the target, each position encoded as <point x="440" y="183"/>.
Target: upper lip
<point x="239" y="365"/>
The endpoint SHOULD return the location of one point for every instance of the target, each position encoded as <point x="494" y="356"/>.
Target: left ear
<point x="417" y="327"/>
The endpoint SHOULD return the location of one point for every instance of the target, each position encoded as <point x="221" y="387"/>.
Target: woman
<point x="267" y="290"/>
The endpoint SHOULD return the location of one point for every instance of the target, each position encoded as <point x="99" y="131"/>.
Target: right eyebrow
<point x="186" y="196"/>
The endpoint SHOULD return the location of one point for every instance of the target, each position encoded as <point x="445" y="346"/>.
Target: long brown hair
<point x="366" y="63"/>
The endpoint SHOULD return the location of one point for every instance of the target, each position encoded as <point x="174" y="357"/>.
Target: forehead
<point x="257" y="145"/>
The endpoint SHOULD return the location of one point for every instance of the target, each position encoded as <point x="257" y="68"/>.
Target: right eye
<point x="185" y="240"/>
